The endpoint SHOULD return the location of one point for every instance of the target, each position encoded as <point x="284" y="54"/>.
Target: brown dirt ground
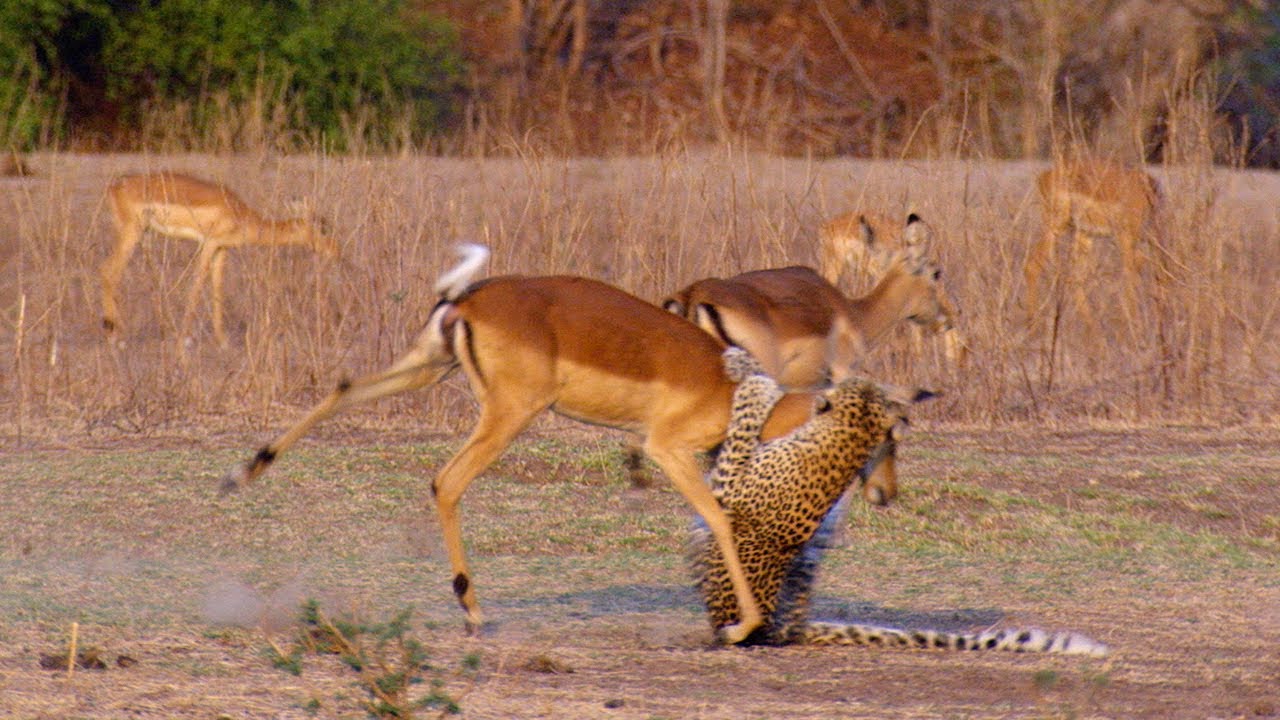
<point x="624" y="639"/>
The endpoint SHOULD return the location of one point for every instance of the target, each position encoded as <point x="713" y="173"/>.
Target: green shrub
<point x="338" y="62"/>
<point x="41" y="42"/>
<point x="392" y="667"/>
<point x="364" y="66"/>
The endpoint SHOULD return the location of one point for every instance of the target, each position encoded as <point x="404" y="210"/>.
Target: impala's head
<point x="929" y="305"/>
<point x="314" y="233"/>
<point x="863" y="241"/>
<point x="307" y="228"/>
<point x="926" y="302"/>
<point x="322" y="240"/>
<point x="931" y="308"/>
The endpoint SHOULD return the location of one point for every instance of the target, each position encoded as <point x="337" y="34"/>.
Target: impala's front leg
<point x="682" y="469"/>
<point x="203" y="263"/>
<point x="128" y="234"/>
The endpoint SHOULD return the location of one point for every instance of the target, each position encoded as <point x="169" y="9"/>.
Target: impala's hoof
<point x="734" y="634"/>
<point x="475" y="628"/>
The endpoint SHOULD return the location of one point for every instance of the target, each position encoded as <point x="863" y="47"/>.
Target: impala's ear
<point x="866" y="233"/>
<point x="917" y="239"/>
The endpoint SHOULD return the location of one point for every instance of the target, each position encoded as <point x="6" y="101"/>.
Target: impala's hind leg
<point x="426" y="363"/>
<point x="633" y="460"/>
<point x="1133" y="263"/>
<point x="1039" y="259"/>
<point x="498" y="426"/>
<point x="204" y="262"/>
<point x="216" y="267"/>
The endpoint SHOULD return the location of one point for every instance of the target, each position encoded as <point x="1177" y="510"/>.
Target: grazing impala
<point x="1092" y="200"/>
<point x="860" y="242"/>
<point x="576" y="346"/>
<point x="181" y="206"/>
<point x="866" y="244"/>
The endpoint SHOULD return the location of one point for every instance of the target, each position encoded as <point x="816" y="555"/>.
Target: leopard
<point x="782" y="499"/>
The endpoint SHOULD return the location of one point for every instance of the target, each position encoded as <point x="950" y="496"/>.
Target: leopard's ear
<point x="907" y="396"/>
<point x="922" y="394"/>
<point x="901" y="429"/>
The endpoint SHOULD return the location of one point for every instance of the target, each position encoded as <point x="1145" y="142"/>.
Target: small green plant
<point x="1101" y="678"/>
<point x="1045" y="679"/>
<point x="388" y="662"/>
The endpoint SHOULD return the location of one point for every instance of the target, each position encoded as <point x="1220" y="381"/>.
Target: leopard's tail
<point x="1012" y="640"/>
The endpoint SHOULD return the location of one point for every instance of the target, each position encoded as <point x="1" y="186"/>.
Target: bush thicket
<point x="334" y="66"/>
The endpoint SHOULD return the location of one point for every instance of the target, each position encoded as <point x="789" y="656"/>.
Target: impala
<point x="1091" y="200"/>
<point x="866" y="244"/>
<point x="806" y="333"/>
<point x="180" y="206"/>
<point x="578" y="347"/>
<point x="801" y="328"/>
<point x="860" y="242"/>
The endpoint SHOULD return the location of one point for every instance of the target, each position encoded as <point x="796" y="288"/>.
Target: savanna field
<point x="1119" y="481"/>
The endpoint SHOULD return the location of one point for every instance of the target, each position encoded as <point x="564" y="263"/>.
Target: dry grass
<point x="1203" y="346"/>
<point x="1161" y="542"/>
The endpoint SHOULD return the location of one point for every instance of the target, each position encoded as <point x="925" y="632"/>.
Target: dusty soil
<point x="1163" y="543"/>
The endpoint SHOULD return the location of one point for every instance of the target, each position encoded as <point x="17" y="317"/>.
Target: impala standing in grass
<point x="866" y="244"/>
<point x="1092" y="200"/>
<point x="181" y="206"/>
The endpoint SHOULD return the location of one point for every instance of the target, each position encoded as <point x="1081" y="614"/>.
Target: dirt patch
<point x="590" y="612"/>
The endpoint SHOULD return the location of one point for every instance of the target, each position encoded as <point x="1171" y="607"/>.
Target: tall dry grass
<point x="1202" y="348"/>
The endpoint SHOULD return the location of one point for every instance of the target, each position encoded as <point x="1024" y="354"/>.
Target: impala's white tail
<point x="453" y="283"/>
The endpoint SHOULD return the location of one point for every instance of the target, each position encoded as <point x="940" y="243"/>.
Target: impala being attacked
<point x="578" y="347"/>
<point x="805" y="333"/>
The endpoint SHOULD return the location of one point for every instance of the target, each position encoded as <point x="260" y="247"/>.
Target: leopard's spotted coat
<point x="780" y="496"/>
